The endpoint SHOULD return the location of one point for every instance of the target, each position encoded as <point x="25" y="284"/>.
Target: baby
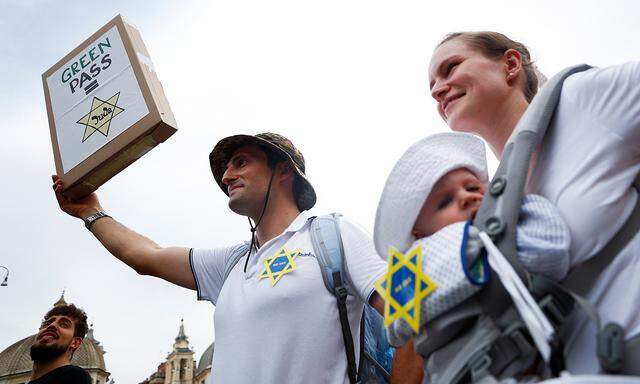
<point x="431" y="195"/>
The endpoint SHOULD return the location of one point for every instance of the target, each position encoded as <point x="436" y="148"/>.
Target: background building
<point x="180" y="366"/>
<point x="16" y="364"/>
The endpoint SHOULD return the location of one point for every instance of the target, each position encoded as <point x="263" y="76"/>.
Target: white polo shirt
<point x="288" y="332"/>
<point x="588" y="161"/>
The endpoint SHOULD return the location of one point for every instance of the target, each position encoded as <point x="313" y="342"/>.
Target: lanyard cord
<point x="254" y="242"/>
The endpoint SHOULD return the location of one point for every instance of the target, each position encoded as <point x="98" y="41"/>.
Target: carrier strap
<point x="500" y="208"/>
<point x="582" y="277"/>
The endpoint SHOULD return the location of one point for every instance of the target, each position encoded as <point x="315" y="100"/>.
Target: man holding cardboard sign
<point x="275" y="320"/>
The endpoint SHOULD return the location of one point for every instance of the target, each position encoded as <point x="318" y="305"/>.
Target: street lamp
<point x="6" y="277"/>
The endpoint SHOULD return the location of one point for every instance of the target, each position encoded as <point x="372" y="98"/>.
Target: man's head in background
<point x="61" y="332"/>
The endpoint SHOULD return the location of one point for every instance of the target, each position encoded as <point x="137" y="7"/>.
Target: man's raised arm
<point x="137" y="251"/>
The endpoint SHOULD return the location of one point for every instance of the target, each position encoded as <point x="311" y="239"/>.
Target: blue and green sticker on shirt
<point x="278" y="265"/>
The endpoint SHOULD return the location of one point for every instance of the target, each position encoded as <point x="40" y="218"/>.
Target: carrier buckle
<point x="341" y="292"/>
<point x="517" y="332"/>
<point x="610" y="348"/>
<point x="479" y="365"/>
<point x="554" y="312"/>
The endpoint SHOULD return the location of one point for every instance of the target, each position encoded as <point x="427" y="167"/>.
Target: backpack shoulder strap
<point x="237" y="253"/>
<point x="327" y="244"/>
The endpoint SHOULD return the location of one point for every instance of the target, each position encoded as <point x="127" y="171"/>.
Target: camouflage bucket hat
<point x="271" y="142"/>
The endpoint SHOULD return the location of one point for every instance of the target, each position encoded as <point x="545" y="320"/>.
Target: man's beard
<point x="43" y="352"/>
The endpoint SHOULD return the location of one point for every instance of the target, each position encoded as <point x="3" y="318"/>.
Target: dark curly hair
<point x="73" y="312"/>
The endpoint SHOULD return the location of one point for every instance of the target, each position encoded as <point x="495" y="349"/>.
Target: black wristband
<point x="89" y="220"/>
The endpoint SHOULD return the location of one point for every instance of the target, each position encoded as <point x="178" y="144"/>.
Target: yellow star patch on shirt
<point x="404" y="286"/>
<point x="279" y="265"/>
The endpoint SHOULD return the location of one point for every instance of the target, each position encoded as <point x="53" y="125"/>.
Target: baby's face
<point x="455" y="197"/>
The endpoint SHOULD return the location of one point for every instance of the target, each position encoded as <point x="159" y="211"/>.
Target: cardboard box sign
<point x="106" y="107"/>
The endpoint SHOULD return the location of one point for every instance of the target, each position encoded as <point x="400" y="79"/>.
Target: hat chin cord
<point x="254" y="241"/>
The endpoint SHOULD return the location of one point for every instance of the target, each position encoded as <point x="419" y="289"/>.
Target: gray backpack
<point x="376" y="354"/>
<point x="484" y="339"/>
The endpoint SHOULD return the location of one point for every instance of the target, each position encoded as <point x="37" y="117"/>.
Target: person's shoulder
<point x="339" y="217"/>
<point x="350" y="230"/>
<point x="602" y="78"/>
<point x="67" y="374"/>
<point x="207" y="253"/>
<point x="352" y="226"/>
<point x="72" y="374"/>
<point x="608" y="96"/>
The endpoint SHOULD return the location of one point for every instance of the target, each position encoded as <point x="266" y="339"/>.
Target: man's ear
<point x="284" y="170"/>
<point x="512" y="64"/>
<point x="76" y="342"/>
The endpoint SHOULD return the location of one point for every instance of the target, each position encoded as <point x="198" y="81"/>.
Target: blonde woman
<point x="483" y="82"/>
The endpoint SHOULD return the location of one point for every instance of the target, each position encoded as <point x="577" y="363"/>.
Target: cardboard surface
<point x="106" y="107"/>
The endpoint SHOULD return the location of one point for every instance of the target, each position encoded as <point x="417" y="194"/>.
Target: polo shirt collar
<point x="298" y="222"/>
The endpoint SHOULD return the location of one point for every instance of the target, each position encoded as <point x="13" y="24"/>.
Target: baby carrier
<point x="485" y="339"/>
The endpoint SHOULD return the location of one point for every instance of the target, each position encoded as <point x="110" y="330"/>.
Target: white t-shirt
<point x="587" y="164"/>
<point x="288" y="332"/>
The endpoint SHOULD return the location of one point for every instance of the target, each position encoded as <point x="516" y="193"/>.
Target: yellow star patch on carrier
<point x="404" y="286"/>
<point x="279" y="265"/>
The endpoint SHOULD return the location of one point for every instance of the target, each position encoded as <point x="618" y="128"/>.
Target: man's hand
<point x="377" y="302"/>
<point x="408" y="366"/>
<point x="80" y="208"/>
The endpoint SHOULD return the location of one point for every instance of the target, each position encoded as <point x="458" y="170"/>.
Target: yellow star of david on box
<point x="404" y="286"/>
<point x="99" y="118"/>
<point x="279" y="265"/>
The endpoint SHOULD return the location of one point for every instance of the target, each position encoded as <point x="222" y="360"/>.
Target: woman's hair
<point x="493" y="45"/>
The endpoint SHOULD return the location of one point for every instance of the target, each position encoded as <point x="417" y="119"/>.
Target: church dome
<point x="16" y="359"/>
<point x="205" y="359"/>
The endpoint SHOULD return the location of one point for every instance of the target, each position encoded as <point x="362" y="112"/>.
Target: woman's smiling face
<point x="468" y="87"/>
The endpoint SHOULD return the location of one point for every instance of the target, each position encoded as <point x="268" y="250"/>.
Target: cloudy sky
<point x="345" y="80"/>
